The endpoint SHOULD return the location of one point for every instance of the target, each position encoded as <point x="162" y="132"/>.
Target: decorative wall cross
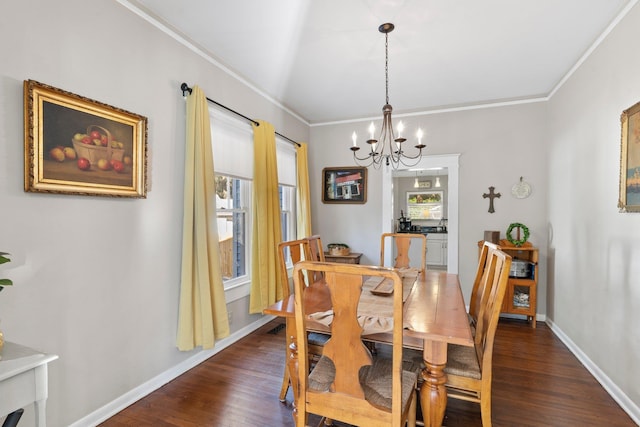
<point x="491" y="196"/>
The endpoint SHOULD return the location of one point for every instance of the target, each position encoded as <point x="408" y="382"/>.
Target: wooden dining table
<point x="434" y="316"/>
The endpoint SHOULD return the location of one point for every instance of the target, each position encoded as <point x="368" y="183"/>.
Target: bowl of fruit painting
<point x="76" y="145"/>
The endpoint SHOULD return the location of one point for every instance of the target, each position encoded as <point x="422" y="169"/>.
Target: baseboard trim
<point x="614" y="391"/>
<point x="132" y="396"/>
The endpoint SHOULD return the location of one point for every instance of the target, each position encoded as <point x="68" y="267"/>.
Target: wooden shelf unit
<point x="521" y="294"/>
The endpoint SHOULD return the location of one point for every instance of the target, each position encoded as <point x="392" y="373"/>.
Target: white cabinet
<point x="23" y="380"/>
<point x="437" y="248"/>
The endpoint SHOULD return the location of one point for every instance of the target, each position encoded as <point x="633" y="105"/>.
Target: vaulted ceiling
<point x="325" y="59"/>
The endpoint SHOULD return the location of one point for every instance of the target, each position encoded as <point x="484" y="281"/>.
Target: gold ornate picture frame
<point x="629" y="200"/>
<point x="75" y="145"/>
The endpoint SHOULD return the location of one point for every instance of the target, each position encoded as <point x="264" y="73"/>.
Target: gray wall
<point x="594" y="251"/>
<point x="97" y="279"/>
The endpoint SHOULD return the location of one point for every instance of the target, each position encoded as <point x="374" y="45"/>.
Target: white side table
<point x="23" y="380"/>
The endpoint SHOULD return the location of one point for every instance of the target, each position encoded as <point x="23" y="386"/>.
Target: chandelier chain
<point x="386" y="65"/>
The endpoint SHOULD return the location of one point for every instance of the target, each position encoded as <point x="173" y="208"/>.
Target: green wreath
<point x="524" y="229"/>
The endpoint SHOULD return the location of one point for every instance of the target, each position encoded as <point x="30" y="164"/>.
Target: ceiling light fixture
<point x="394" y="154"/>
<point x="437" y="181"/>
<point x="416" y="183"/>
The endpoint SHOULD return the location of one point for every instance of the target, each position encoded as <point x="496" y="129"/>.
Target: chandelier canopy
<point x="388" y="148"/>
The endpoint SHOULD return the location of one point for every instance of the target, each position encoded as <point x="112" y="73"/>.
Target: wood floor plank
<point x="537" y="382"/>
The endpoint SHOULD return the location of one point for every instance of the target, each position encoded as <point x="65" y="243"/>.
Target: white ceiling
<point x="324" y="59"/>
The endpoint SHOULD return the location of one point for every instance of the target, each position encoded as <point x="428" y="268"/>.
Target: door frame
<point x="449" y="161"/>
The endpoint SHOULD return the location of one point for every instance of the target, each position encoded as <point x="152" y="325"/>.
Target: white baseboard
<point x="132" y="396"/>
<point x="632" y="409"/>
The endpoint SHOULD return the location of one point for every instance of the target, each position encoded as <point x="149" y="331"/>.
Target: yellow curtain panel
<point x="303" y="200"/>
<point x="267" y="231"/>
<point x="203" y="311"/>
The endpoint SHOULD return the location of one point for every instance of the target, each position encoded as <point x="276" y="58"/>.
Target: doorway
<point x="448" y="161"/>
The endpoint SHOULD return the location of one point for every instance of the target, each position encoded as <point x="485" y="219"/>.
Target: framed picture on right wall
<point x="629" y="200"/>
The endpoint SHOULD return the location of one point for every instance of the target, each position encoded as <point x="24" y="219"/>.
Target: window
<point x="287" y="217"/>
<point x="232" y="141"/>
<point x="287" y="212"/>
<point x="232" y="216"/>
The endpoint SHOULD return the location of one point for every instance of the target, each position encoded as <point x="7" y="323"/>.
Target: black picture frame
<point x="344" y="185"/>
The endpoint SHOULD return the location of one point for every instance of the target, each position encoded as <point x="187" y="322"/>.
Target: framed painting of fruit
<point x="75" y="145"/>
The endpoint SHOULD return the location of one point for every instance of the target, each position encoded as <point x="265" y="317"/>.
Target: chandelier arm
<point x="368" y="156"/>
<point x="403" y="155"/>
<point x="412" y="164"/>
<point x="374" y="160"/>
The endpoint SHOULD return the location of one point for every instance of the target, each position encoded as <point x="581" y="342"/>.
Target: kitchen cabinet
<point x="437" y="244"/>
<point x="521" y="295"/>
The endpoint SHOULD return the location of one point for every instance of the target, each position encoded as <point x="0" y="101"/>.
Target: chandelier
<point x="388" y="148"/>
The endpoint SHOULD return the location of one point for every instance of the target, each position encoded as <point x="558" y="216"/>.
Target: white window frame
<point x="232" y="141"/>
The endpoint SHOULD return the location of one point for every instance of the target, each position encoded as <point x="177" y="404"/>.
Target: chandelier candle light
<point x="394" y="155"/>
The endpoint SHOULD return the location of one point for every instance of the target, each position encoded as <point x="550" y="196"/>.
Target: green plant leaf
<point x="5" y="282"/>
<point x="3" y="258"/>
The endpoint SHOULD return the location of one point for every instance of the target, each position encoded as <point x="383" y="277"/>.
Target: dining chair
<point x="315" y="252"/>
<point x="402" y="242"/>
<point x="315" y="248"/>
<point x="468" y="369"/>
<point x="480" y="284"/>
<point x="348" y="384"/>
<point x="296" y="250"/>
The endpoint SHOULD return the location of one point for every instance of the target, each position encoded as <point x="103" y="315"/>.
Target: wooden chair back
<point x="481" y="283"/>
<point x="334" y="388"/>
<point x="499" y="268"/>
<point x="402" y="242"/>
<point x="297" y="250"/>
<point x="315" y="252"/>
<point x="469" y="370"/>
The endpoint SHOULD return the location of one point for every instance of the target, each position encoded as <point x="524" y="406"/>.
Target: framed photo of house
<point x="424" y="204"/>
<point x="75" y="145"/>
<point x="344" y="185"/>
<point x="629" y="200"/>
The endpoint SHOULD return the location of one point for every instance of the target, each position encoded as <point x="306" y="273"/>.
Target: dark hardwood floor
<point x="536" y="382"/>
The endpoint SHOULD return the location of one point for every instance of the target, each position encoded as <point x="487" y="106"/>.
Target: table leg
<point x="292" y="364"/>
<point x="286" y="380"/>
<point x="433" y="393"/>
<point x="40" y="409"/>
<point x="42" y="386"/>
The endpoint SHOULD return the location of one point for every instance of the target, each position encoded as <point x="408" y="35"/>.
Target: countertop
<point x="425" y="231"/>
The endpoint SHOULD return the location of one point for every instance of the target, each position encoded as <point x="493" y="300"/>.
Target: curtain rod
<point x="185" y="88"/>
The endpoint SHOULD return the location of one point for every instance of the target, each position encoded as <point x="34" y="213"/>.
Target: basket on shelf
<point x="93" y="153"/>
<point x="339" y="249"/>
